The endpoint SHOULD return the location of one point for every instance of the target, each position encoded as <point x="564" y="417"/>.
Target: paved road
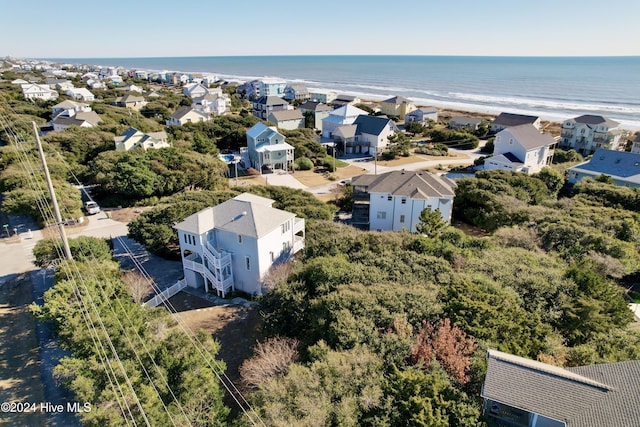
<point x="16" y="253"/>
<point x="368" y="164"/>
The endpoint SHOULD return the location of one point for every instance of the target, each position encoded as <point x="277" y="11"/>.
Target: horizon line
<point x="326" y="55"/>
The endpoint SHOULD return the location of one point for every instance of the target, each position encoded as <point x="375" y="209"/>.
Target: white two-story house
<point x="266" y="147"/>
<point x="367" y="134"/>
<point x="33" y="91"/>
<point x="587" y="133"/>
<point x="233" y="245"/>
<point x="521" y="149"/>
<point x="393" y="201"/>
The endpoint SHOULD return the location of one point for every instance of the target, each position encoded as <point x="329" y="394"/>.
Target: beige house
<point x="130" y="101"/>
<point x="287" y="119"/>
<point x="133" y="138"/>
<point x="185" y="114"/>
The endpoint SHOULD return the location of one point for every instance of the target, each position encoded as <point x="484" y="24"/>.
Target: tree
<point x="271" y="360"/>
<point x="447" y="344"/>
<point x="553" y="179"/>
<point x="415" y="127"/>
<point x="431" y="222"/>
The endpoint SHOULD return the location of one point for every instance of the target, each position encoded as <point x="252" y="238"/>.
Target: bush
<point x="561" y="156"/>
<point x="303" y="164"/>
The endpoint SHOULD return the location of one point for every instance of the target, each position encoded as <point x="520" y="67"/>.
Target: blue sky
<point x="136" y="28"/>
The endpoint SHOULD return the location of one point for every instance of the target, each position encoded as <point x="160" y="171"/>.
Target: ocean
<point x="554" y="88"/>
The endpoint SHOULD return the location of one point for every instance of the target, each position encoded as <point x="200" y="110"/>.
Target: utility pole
<point x="56" y="209"/>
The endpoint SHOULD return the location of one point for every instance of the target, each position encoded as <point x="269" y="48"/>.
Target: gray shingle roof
<point x="372" y="125"/>
<point x="590" y="119"/>
<point x="530" y="137"/>
<point x="270" y="100"/>
<point x="397" y="100"/>
<point x="183" y="111"/>
<point x="617" y="164"/>
<point x="243" y="215"/>
<point x="315" y="106"/>
<point x="589" y="396"/>
<point x="287" y="115"/>
<point x="417" y="185"/>
<point x="510" y="119"/>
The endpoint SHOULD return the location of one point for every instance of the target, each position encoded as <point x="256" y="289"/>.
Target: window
<point x="239" y="238"/>
<point x="404" y="200"/>
<point x="285" y="227"/>
<point x="271" y="256"/>
<point x="389" y="198"/>
<point x="247" y="262"/>
<point x="402" y="219"/>
<point x="381" y="215"/>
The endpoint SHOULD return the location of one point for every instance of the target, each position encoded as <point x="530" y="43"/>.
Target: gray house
<point x="422" y="115"/>
<point x="519" y="392"/>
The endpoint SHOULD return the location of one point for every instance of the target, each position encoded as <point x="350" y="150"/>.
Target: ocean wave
<point x="539" y="103"/>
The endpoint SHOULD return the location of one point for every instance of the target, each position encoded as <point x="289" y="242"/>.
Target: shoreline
<point x="466" y="103"/>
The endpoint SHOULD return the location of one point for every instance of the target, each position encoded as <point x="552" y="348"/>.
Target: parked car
<point x="91" y="207"/>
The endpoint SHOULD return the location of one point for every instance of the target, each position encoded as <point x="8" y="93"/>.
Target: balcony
<point x="193" y="262"/>
<point x="298" y="244"/>
<point x="298" y="225"/>
<point x="602" y="139"/>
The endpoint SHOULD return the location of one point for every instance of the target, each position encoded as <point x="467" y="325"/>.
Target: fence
<point x="167" y="293"/>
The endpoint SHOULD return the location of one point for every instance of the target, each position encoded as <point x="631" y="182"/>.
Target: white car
<point x="91" y="207"/>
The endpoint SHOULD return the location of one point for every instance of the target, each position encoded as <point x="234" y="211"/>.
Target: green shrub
<point x="303" y="164"/>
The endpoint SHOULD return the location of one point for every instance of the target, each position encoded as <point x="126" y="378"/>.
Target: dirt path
<point x="19" y="366"/>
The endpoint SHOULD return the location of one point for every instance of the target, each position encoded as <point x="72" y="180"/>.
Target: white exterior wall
<point x="394" y="209"/>
<point x="277" y="242"/>
<point x="245" y="280"/>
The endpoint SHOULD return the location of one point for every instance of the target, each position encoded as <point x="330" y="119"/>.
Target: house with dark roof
<point x="587" y="133"/>
<point x="233" y="245"/>
<point x="505" y="120"/>
<point x="287" y="119"/>
<point x="621" y="166"/>
<point x="366" y="135"/>
<point x="342" y="100"/>
<point x="393" y="201"/>
<point x="265" y="105"/>
<point x="521" y="149"/>
<point x="397" y="106"/>
<point x="340" y="116"/>
<point x="519" y="392"/>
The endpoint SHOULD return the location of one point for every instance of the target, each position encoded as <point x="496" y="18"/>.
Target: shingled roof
<point x="590" y="119"/>
<point x="416" y="185"/>
<point x="586" y="396"/>
<point x="530" y="137"/>
<point x="510" y="119"/>
<point x="244" y="214"/>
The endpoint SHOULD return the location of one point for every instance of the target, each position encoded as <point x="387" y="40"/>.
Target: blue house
<point x="622" y="166"/>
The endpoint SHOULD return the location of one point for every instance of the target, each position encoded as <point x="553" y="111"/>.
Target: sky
<point x="160" y="28"/>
